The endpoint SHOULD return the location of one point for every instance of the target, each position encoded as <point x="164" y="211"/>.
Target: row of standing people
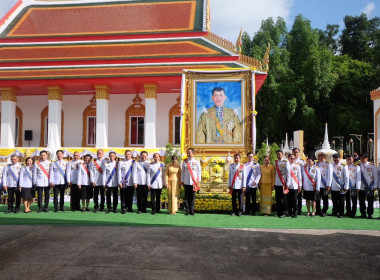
<point x="99" y="179"/>
<point x="294" y="179"/>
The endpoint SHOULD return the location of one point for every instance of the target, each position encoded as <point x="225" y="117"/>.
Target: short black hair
<point x="58" y="152"/>
<point x="280" y="151"/>
<point x="191" y="149"/>
<point x="42" y="152"/>
<point x="127" y="151"/>
<point x="364" y="155"/>
<point x="336" y="155"/>
<point x="249" y="153"/>
<point x="88" y="155"/>
<point x="28" y="159"/>
<point x="349" y="156"/>
<point x="144" y="152"/>
<point x="218" y="89"/>
<point x="237" y="155"/>
<point x="296" y="149"/>
<point x="112" y="153"/>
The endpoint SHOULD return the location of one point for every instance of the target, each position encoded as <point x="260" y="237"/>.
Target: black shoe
<point x="318" y="213"/>
<point x="130" y="211"/>
<point x="253" y="214"/>
<point x="82" y="210"/>
<point x="239" y="214"/>
<point x="114" y="210"/>
<point x="378" y="218"/>
<point x="46" y="210"/>
<point x="144" y="211"/>
<point x="299" y="213"/>
<point x="8" y="211"/>
<point x="187" y="213"/>
<point x="39" y="210"/>
<point x="153" y="213"/>
<point x="107" y="211"/>
<point x="96" y="211"/>
<point x="17" y="210"/>
<point x="370" y="217"/>
<point x="347" y="214"/>
<point x="62" y="209"/>
<point x="353" y="216"/>
<point x="323" y="215"/>
<point x="101" y="209"/>
<point x="340" y="216"/>
<point x="55" y="209"/>
<point x="122" y="211"/>
<point x="282" y="216"/>
<point x="363" y="216"/>
<point x="294" y="216"/>
<point x="158" y="212"/>
<point x="192" y="213"/>
<point x="333" y="214"/>
<point x="87" y="210"/>
<point x="139" y="212"/>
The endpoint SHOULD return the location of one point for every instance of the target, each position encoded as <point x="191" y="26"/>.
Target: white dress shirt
<point x="296" y="169"/>
<point x="326" y="172"/>
<point x="196" y="169"/>
<point x="315" y="174"/>
<point x="123" y="169"/>
<point x="40" y="179"/>
<point x="153" y="169"/>
<point x="238" y="184"/>
<point x="108" y="167"/>
<point x="56" y="177"/>
<point x="72" y="171"/>
<point x="8" y="179"/>
<point x="26" y="181"/>
<point x="253" y="181"/>
<point x="139" y="170"/>
<point x="341" y="172"/>
<point x="283" y="165"/>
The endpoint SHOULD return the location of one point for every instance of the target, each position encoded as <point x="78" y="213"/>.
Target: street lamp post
<point x="359" y="137"/>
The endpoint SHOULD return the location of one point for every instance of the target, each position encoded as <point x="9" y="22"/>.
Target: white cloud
<point x="227" y="17"/>
<point x="369" y="9"/>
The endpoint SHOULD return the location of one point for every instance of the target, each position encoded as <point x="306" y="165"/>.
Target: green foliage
<point x="264" y="152"/>
<point x="315" y="77"/>
<point x="170" y="151"/>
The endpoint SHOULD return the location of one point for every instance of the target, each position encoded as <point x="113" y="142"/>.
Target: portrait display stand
<point x="218" y="119"/>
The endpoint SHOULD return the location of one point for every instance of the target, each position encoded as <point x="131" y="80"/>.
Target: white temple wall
<point x="73" y="107"/>
<point x="376" y="123"/>
<point x="165" y="102"/>
<point x="31" y="107"/>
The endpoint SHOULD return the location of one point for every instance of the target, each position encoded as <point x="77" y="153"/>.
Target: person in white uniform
<point x="41" y="181"/>
<point x="57" y="180"/>
<point x="156" y="181"/>
<point x="252" y="175"/>
<point x="11" y="184"/>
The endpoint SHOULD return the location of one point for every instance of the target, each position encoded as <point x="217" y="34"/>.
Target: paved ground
<point x="59" y="252"/>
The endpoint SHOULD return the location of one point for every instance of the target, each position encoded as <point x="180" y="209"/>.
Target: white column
<point x="8" y="117"/>
<point x="150" y="115"/>
<point x="102" y="100"/>
<point x="54" y="117"/>
<point x="375" y="96"/>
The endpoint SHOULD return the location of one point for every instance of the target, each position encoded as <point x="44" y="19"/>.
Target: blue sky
<point x="248" y="14"/>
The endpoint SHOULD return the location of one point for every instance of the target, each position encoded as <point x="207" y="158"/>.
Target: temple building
<point x="90" y="73"/>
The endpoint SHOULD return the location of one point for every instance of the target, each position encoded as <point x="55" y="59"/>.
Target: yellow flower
<point x="217" y="168"/>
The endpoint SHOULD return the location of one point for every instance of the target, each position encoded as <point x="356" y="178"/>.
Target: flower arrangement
<point x="205" y="175"/>
<point x="216" y="161"/>
<point x="217" y="168"/>
<point x="217" y="180"/>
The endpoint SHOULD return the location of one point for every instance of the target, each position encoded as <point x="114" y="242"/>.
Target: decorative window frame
<point x="175" y="111"/>
<point x="89" y="111"/>
<point x="137" y="109"/>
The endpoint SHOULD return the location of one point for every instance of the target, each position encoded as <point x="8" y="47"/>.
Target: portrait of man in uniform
<point x="220" y="113"/>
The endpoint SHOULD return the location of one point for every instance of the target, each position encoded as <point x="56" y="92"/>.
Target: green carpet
<point x="70" y="218"/>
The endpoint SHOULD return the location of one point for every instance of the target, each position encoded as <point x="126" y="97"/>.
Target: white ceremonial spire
<point x="326" y="144"/>
<point x="286" y="149"/>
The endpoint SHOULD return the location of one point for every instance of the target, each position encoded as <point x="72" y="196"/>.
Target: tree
<point x="360" y="37"/>
<point x="328" y="38"/>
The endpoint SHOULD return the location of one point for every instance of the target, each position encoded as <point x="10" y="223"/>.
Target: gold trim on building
<point x="9" y="94"/>
<point x="174" y="111"/>
<point x="55" y="93"/>
<point x="150" y="91"/>
<point x="102" y="91"/>
<point x="90" y="111"/>
<point x="136" y="109"/>
<point x="44" y="114"/>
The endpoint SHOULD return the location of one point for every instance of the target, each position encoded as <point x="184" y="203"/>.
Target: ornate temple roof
<point x="93" y="40"/>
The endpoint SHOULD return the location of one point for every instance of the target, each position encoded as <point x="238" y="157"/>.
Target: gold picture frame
<point x="190" y="110"/>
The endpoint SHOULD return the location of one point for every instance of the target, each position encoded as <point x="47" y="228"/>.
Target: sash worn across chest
<point x="28" y="174"/>
<point x="98" y="167"/>
<point x="195" y="182"/>
<point x="43" y="169"/>
<point x="235" y="176"/>
<point x="125" y="180"/>
<point x="310" y="178"/>
<point x="279" y="174"/>
<point x="85" y="169"/>
<point x="156" y="175"/>
<point x="12" y="174"/>
<point x="112" y="174"/>
<point x="59" y="169"/>
<point x="142" y="166"/>
<point x="339" y="183"/>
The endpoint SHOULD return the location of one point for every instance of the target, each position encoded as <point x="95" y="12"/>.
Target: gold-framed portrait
<point x="217" y="111"/>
